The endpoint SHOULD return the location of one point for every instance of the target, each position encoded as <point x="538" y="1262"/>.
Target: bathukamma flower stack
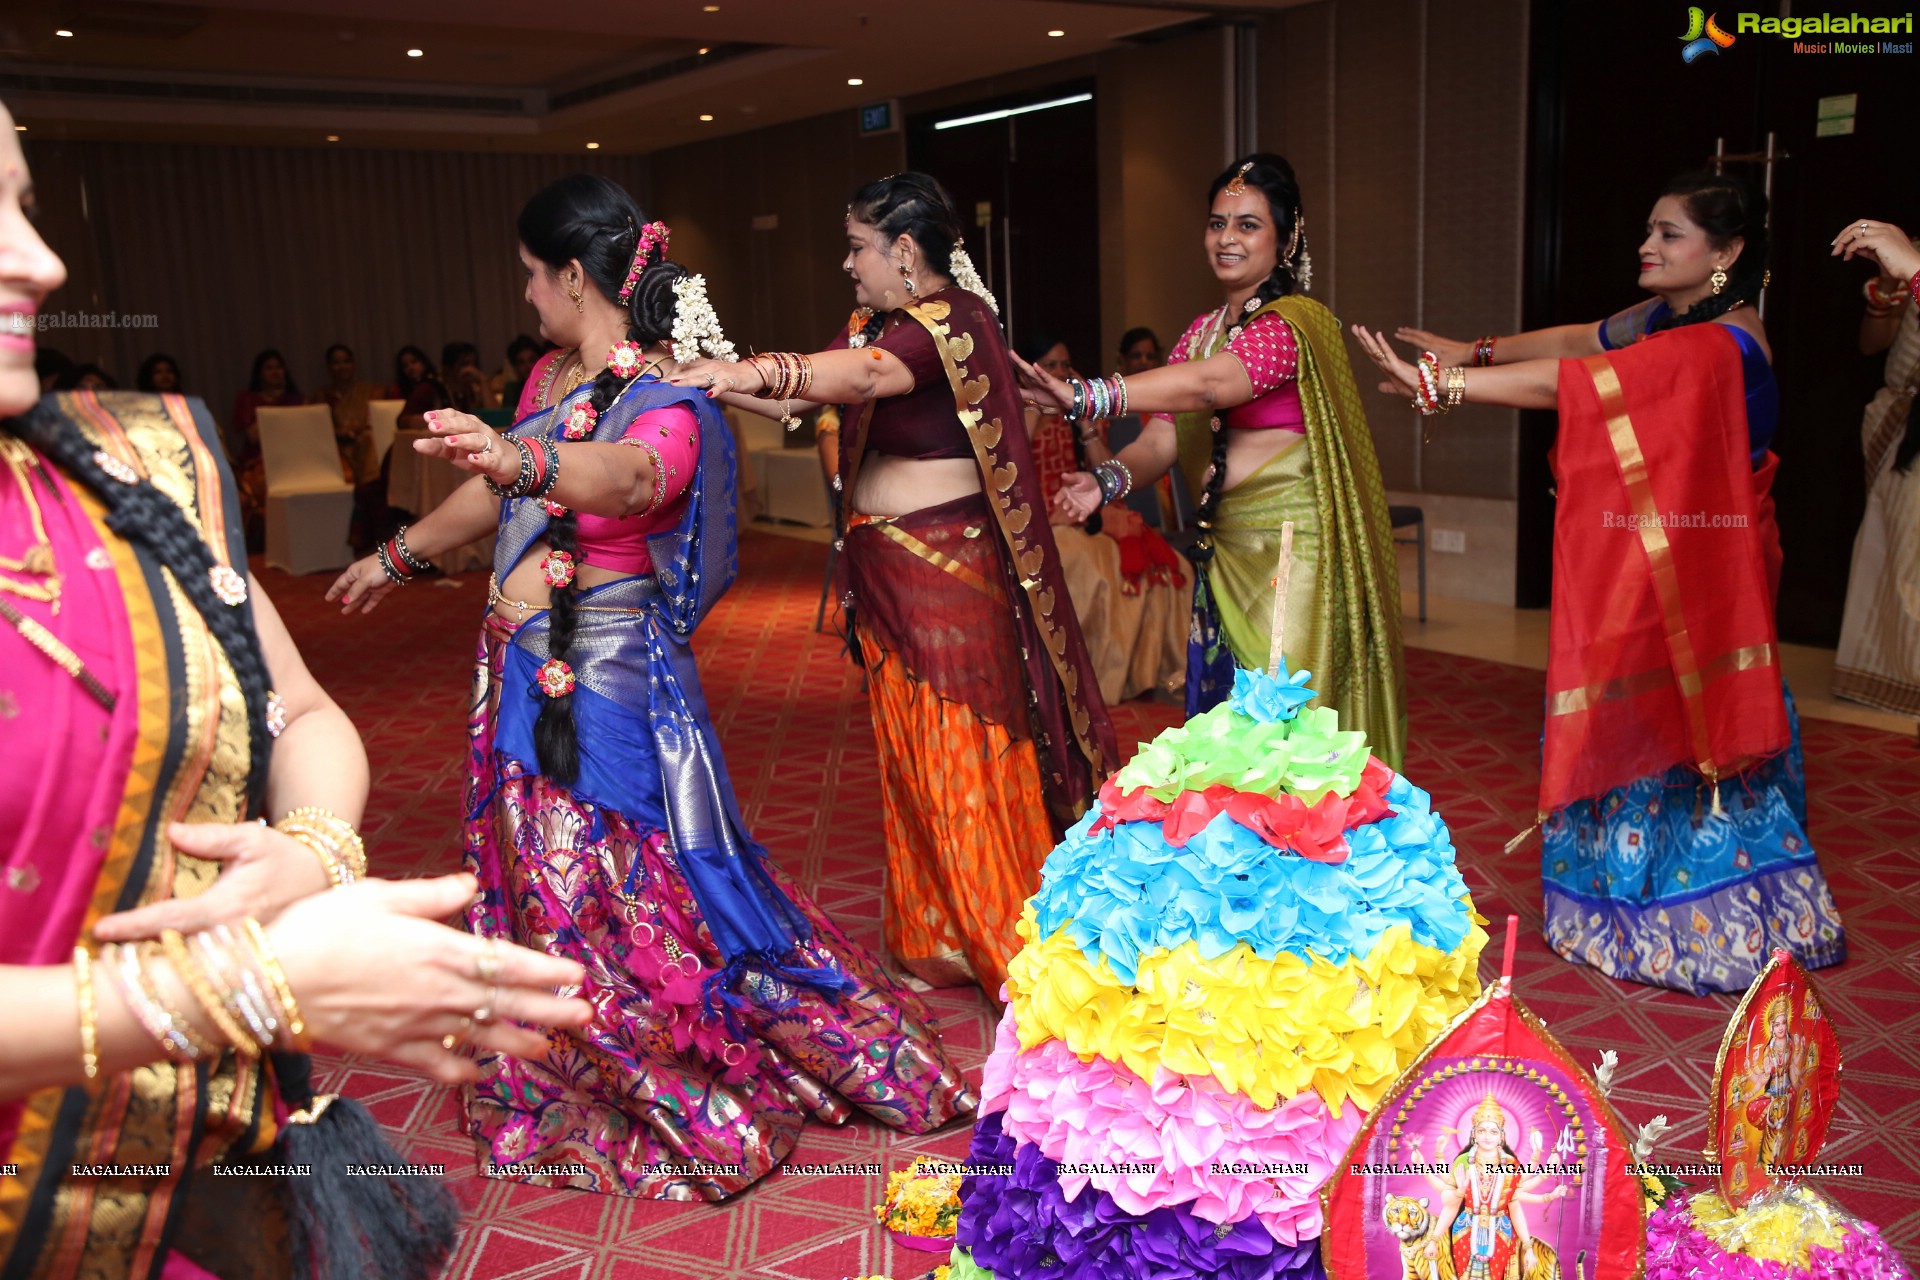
<point x="1230" y="958"/>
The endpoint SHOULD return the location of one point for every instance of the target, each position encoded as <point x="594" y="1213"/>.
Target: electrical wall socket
<point x="1453" y="540"/>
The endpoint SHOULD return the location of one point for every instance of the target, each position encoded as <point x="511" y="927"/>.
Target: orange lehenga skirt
<point x="966" y="816"/>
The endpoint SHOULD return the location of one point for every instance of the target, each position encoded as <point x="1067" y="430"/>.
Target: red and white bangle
<point x="1483" y="351"/>
<point x="1913" y="287"/>
<point x="1427" y="397"/>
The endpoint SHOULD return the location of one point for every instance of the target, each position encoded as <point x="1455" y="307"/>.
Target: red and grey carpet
<point x="793" y="722"/>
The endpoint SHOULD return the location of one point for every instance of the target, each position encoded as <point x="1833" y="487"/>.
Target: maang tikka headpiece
<point x="1238" y="185"/>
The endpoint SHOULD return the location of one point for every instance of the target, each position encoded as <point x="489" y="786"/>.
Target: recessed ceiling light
<point x="1056" y="33"/>
<point x="593" y="146"/>
<point x="19" y="128"/>
<point x="416" y="53"/>
<point x="703" y="51"/>
<point x="64" y="32"/>
<point x="706" y="118"/>
<point x="709" y="8"/>
<point x="855" y="80"/>
<point x="333" y="137"/>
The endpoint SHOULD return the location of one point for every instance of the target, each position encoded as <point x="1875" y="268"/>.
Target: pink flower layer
<point x="1187" y="1132"/>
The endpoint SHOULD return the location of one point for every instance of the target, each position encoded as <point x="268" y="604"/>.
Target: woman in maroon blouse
<point x="993" y="736"/>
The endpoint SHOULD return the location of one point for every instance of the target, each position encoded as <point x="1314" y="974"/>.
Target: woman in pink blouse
<point x="1257" y="402"/>
<point x="601" y="822"/>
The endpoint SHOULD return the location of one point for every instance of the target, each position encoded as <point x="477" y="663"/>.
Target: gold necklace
<point x="37" y="561"/>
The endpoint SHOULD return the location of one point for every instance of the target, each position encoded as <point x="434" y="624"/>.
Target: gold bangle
<point x="189" y="971"/>
<point x="323" y="848"/>
<point x="277" y="977"/>
<point x="339" y="833"/>
<point x="89" y="1024"/>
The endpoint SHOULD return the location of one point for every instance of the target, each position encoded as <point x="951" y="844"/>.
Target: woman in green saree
<point x="1258" y="404"/>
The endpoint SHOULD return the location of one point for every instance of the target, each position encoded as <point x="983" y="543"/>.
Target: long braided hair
<point x="916" y="204"/>
<point x="1727" y="209"/>
<point x="1274" y="178"/>
<point x="594" y="220"/>
<point x="143" y="515"/>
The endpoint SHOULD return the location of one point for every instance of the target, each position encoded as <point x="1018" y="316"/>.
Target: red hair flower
<point x="556" y="678"/>
<point x="626" y="358"/>
<point x="557" y="569"/>
<point x="579" y="421"/>
<point x="555" y="510"/>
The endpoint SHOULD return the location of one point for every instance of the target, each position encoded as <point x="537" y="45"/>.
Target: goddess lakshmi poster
<point x="1493" y="1157"/>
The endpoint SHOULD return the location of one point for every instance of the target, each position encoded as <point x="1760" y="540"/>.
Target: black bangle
<point x="405" y="553"/>
<point x="522" y="482"/>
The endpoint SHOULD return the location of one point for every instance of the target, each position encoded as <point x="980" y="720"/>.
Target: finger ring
<point x="484" y="1015"/>
<point x="452" y="1039"/>
<point x="709" y="382"/>
<point x="487" y="964"/>
<point x="1863" y="226"/>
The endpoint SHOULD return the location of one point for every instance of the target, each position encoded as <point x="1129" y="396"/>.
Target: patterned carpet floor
<point x="792" y="720"/>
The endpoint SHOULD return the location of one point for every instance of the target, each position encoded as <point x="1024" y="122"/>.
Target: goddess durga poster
<point x="1774" y="1084"/>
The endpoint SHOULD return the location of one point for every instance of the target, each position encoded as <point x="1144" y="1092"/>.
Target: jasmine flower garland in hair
<point x="969" y="279"/>
<point x="696" y="327"/>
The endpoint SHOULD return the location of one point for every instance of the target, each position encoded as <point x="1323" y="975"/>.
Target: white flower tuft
<point x="968" y="278"/>
<point x="696" y="326"/>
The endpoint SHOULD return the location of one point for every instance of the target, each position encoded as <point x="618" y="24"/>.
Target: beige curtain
<point x="233" y="249"/>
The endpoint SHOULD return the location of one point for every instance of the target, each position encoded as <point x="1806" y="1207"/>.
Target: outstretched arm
<point x="839" y="377"/>
<point x="1534" y="384"/>
<point x="1556" y="343"/>
<point x="1217" y="383"/>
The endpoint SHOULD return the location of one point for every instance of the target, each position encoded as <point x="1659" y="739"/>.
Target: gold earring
<point x="580" y="303"/>
<point x="1718" y="279"/>
<point x="906" y="274"/>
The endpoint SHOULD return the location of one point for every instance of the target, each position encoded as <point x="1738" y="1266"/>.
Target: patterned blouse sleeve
<point x="671" y="438"/>
<point x="1269" y="351"/>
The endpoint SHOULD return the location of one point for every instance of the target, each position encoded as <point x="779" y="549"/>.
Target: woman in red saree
<point x="1672" y="801"/>
<point x="154" y="705"/>
<point x="993" y="734"/>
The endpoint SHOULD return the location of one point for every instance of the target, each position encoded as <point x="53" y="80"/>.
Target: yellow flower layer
<point x="1269" y="1029"/>
<point x="1781" y="1228"/>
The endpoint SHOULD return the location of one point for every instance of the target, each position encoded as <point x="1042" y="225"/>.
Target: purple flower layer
<point x="1022" y="1225"/>
<point x="1678" y="1250"/>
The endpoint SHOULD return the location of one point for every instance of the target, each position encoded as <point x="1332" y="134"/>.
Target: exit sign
<point x="880" y="117"/>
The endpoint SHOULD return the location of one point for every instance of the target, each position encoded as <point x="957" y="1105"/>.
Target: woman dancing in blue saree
<point x="600" y="818"/>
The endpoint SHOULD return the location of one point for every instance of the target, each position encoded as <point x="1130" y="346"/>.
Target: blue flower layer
<point x="1126" y="892"/>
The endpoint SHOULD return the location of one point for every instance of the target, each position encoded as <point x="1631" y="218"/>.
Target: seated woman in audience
<point x="165" y="959"/>
<point x="86" y="377"/>
<point x="417" y="382"/>
<point x="158" y="373"/>
<point x="1129" y="587"/>
<point x="270" y="384"/>
<point x="351" y="401"/>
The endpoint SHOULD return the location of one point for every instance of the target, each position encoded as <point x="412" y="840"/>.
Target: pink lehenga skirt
<point x="663" y="1095"/>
